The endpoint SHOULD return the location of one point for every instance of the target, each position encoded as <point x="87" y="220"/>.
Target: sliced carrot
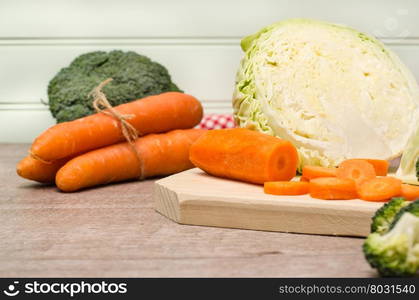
<point x="380" y="188"/>
<point x="357" y="170"/>
<point x="286" y="187"/>
<point x="410" y="192"/>
<point x="304" y="179"/>
<point x="245" y="155"/>
<point x="311" y="172"/>
<point x="380" y="165"/>
<point x="333" y="188"/>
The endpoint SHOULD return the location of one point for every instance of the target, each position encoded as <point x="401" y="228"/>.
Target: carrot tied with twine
<point x="102" y="105"/>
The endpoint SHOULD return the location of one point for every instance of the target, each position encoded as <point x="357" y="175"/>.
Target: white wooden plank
<point x="206" y="71"/>
<point x="409" y="54"/>
<point x="187" y="18"/>
<point x="22" y="126"/>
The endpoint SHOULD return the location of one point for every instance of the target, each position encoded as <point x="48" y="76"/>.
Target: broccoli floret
<point x="412" y="207"/>
<point x="134" y="76"/>
<point x="384" y="216"/>
<point x="396" y="252"/>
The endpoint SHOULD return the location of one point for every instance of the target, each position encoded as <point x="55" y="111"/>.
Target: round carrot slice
<point x="311" y="172"/>
<point x="286" y="187"/>
<point x="333" y="188"/>
<point x="380" y="188"/>
<point x="380" y="165"/>
<point x="357" y="170"/>
<point x="410" y="192"/>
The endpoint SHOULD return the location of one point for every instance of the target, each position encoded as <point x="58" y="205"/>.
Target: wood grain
<point x="193" y="197"/>
<point x="114" y="231"/>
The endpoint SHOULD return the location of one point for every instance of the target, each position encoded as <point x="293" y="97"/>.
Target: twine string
<point x="101" y="105"/>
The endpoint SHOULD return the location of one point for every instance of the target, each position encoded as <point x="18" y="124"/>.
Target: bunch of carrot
<point x="91" y="151"/>
<point x="354" y="178"/>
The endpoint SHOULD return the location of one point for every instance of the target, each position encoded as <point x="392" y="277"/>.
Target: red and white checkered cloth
<point x="217" y="121"/>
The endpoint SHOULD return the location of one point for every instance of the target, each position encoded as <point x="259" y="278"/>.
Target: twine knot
<point x="102" y="105"/>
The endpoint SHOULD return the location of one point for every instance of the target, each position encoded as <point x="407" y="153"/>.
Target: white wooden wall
<point x="198" y="41"/>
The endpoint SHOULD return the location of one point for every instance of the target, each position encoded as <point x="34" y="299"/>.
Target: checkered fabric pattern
<point x="217" y="121"/>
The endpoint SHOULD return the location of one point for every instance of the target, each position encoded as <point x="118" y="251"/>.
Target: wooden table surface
<point x="113" y="231"/>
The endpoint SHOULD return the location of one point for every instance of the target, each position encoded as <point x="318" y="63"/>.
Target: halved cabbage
<point x="332" y="91"/>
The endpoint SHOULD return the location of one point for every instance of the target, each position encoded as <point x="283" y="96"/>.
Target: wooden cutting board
<point x="193" y="197"/>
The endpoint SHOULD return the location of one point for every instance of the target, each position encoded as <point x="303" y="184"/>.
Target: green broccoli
<point x="412" y="207"/>
<point x="396" y="252"/>
<point x="134" y="76"/>
<point x="384" y="216"/>
<point x="417" y="169"/>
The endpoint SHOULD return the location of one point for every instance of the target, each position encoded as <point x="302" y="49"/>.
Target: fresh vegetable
<point x="311" y="172"/>
<point x="412" y="207"/>
<point x="380" y="189"/>
<point x="357" y="170"/>
<point x="245" y="155"/>
<point x="333" y="92"/>
<point x="410" y="192"/>
<point x="384" y="216"/>
<point x="380" y="165"/>
<point x="332" y="188"/>
<point x="36" y="170"/>
<point x="408" y="170"/>
<point x="286" y="187"/>
<point x="134" y="76"/>
<point x="304" y="179"/>
<point x="396" y="252"/>
<point x="160" y="154"/>
<point x="154" y="114"/>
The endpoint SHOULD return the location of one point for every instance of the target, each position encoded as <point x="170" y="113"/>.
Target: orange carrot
<point x="246" y="155"/>
<point x="357" y="170"/>
<point x="380" y="165"/>
<point x="304" y="179"/>
<point x="311" y="172"/>
<point x="286" y="187"/>
<point x="154" y="114"/>
<point x="410" y="192"/>
<point x="380" y="188"/>
<point x="333" y="188"/>
<point x="36" y="170"/>
<point x="161" y="154"/>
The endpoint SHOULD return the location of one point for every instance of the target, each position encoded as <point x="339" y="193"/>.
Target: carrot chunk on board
<point x="286" y="187"/>
<point x="380" y="189"/>
<point x="332" y="188"/>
